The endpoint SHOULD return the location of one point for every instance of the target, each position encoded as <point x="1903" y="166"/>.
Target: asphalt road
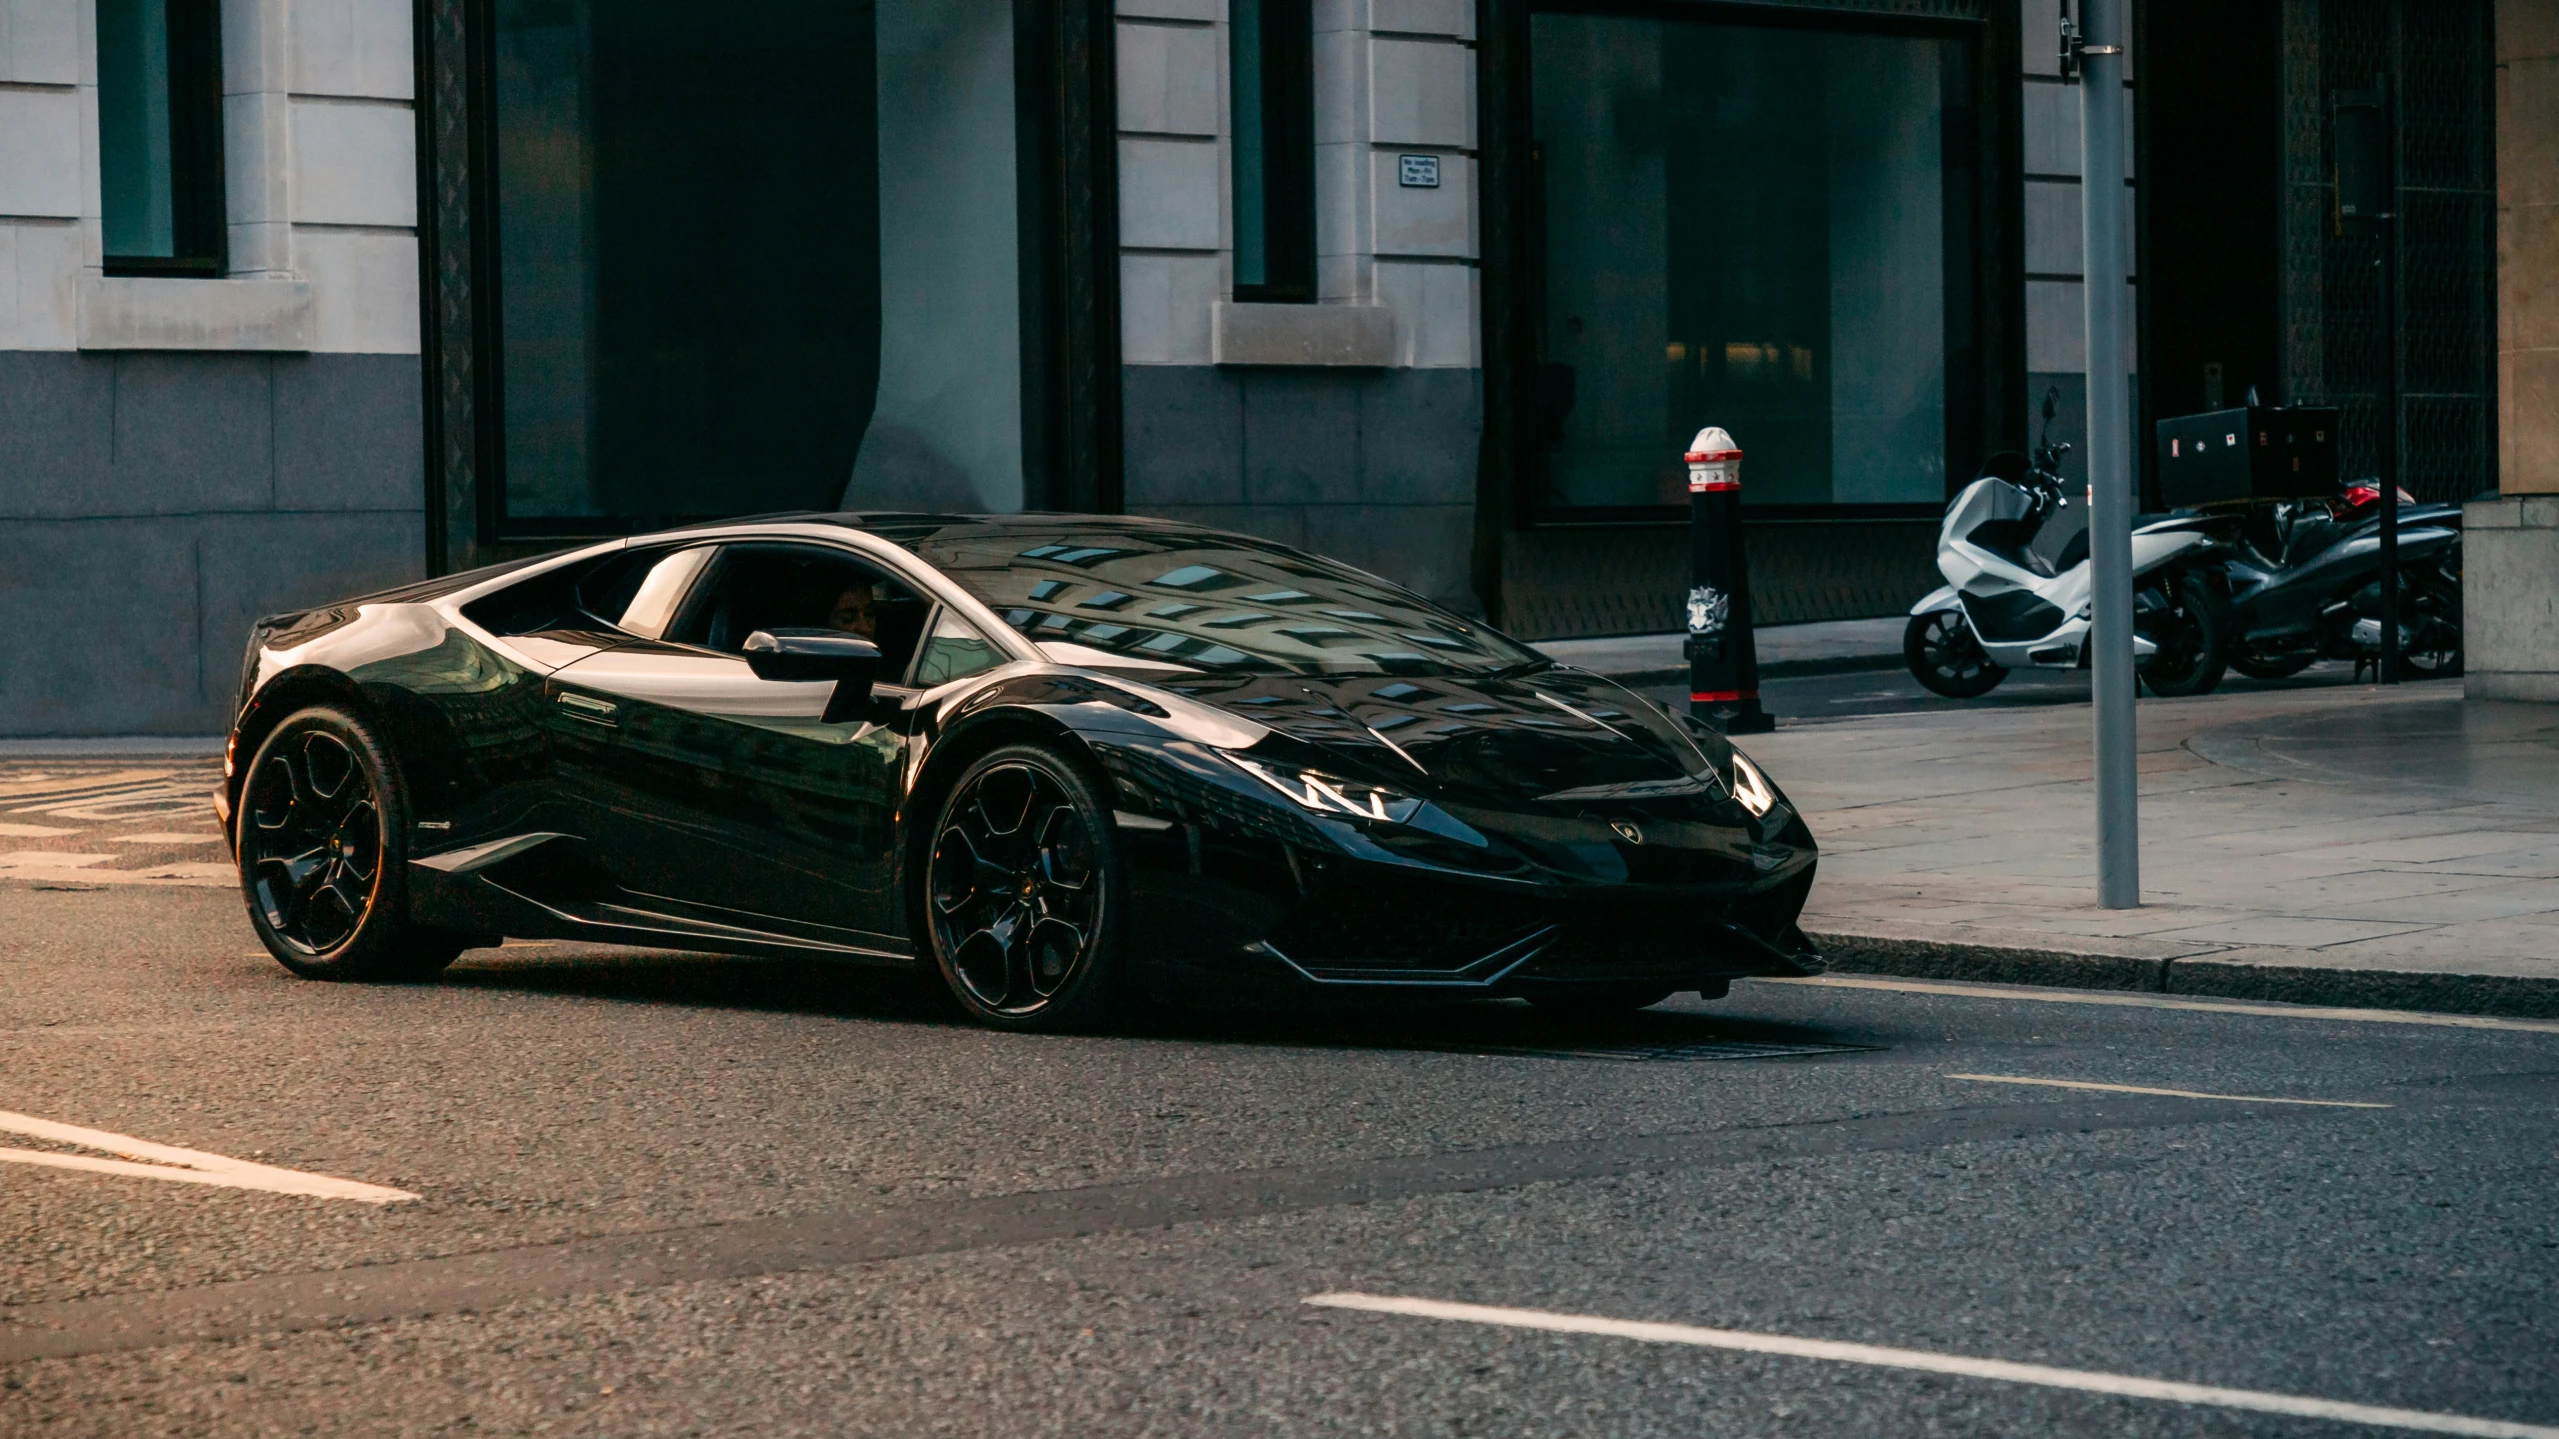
<point x="663" y="1195"/>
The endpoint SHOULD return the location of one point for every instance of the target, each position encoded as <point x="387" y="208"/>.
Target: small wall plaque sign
<point x="1417" y="172"/>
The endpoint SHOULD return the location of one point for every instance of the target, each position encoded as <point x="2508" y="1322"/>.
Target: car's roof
<point x="904" y="527"/>
<point x="908" y="528"/>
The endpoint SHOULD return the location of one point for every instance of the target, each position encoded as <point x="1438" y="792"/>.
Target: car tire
<point x="1600" y="1001"/>
<point x="1945" y="656"/>
<point x="1023" y="886"/>
<point x="2193" y="638"/>
<point x="322" y="830"/>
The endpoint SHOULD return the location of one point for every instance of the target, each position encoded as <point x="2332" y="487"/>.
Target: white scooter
<point x="2005" y="606"/>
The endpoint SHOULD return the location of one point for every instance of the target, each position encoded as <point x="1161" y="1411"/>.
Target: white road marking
<point x="2086" y="1380"/>
<point x="2171" y="1093"/>
<point x="64" y="783"/>
<point x="156" y="837"/>
<point x="2153" y="1001"/>
<point x="173" y="802"/>
<point x="56" y="867"/>
<point x="142" y="1159"/>
<point x="32" y="831"/>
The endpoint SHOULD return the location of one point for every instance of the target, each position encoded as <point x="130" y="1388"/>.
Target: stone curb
<point x="2508" y="996"/>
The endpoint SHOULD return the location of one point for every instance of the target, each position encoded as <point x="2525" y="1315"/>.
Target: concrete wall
<point x="2510" y="581"/>
<point x="180" y="456"/>
<point x="1350" y="426"/>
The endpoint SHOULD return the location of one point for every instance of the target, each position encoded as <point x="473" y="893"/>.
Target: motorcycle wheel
<point x="2193" y="635"/>
<point x="1944" y="656"/>
<point x="2436" y="652"/>
<point x="2279" y="668"/>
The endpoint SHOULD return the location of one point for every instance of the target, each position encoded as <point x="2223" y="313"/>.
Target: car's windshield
<point x="1207" y="601"/>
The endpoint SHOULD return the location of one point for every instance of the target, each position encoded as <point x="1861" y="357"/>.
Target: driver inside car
<point x="856" y="611"/>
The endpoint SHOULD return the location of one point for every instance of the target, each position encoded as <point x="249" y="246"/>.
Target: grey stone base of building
<point x="2510" y="598"/>
<point x="1573" y="581"/>
<point x="1374" y="467"/>
<point x="153" y="505"/>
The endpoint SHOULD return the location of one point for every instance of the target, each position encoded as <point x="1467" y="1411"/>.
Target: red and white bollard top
<point x="1714" y="461"/>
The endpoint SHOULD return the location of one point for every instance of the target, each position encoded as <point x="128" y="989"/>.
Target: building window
<point x="1746" y="225"/>
<point x="686" y="265"/>
<point x="160" y="136"/>
<point x="1271" y="55"/>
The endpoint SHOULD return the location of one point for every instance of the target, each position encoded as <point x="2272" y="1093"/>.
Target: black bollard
<point x="1723" y="663"/>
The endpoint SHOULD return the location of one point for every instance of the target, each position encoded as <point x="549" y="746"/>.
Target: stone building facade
<point x="181" y="455"/>
<point x="392" y="287"/>
<point x="2511" y="587"/>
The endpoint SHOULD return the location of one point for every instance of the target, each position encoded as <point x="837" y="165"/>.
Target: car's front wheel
<point x="323" y="827"/>
<point x="1022" y="893"/>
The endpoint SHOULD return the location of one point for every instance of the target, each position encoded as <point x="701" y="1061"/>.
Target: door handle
<point x="587" y="707"/>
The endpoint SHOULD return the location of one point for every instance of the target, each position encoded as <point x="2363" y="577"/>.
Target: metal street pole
<point x="2366" y="143"/>
<point x="2110" y="663"/>
<point x="2387" y="438"/>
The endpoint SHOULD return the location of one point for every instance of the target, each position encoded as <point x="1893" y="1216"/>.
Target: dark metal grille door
<point x="2334" y="333"/>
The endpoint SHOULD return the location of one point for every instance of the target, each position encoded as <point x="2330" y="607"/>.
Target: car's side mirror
<point x="852" y="662"/>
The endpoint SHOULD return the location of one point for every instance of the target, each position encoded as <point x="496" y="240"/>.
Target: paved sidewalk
<point x="1830" y="647"/>
<point x="2339" y="846"/>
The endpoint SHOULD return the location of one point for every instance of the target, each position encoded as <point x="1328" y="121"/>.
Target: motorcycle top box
<point x="2258" y="452"/>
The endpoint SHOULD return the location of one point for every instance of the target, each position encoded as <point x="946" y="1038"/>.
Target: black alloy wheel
<point x="322" y="829"/>
<point x="1021" y="893"/>
<point x="2191" y="626"/>
<point x="1944" y="655"/>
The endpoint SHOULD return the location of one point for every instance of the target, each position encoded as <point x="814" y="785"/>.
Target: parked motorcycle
<point x="2319" y="596"/>
<point x="2004" y="605"/>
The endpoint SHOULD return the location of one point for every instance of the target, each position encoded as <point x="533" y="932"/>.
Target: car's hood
<point x="1554" y="740"/>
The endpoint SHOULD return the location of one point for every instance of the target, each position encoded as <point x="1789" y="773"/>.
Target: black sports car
<point x="1066" y="761"/>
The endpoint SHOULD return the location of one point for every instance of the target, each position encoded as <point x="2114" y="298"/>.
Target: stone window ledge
<point x="119" y="312"/>
<point x="1336" y="335"/>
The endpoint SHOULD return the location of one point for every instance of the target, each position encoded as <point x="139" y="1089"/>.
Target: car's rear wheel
<point x="1022" y="893"/>
<point x="323" y="829"/>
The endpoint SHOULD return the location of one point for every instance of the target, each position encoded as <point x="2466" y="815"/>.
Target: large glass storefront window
<point x="687" y="296"/>
<point x="753" y="258"/>
<point x="947" y="431"/>
<point x="1742" y="225"/>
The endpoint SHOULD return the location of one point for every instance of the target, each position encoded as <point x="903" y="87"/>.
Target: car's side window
<point x="637" y="592"/>
<point x="800" y="587"/>
<point x="652" y="606"/>
<point x="955" y="650"/>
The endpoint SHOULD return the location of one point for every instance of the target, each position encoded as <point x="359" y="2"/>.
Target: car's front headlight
<point x="1332" y="797"/>
<point x="1751" y="788"/>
